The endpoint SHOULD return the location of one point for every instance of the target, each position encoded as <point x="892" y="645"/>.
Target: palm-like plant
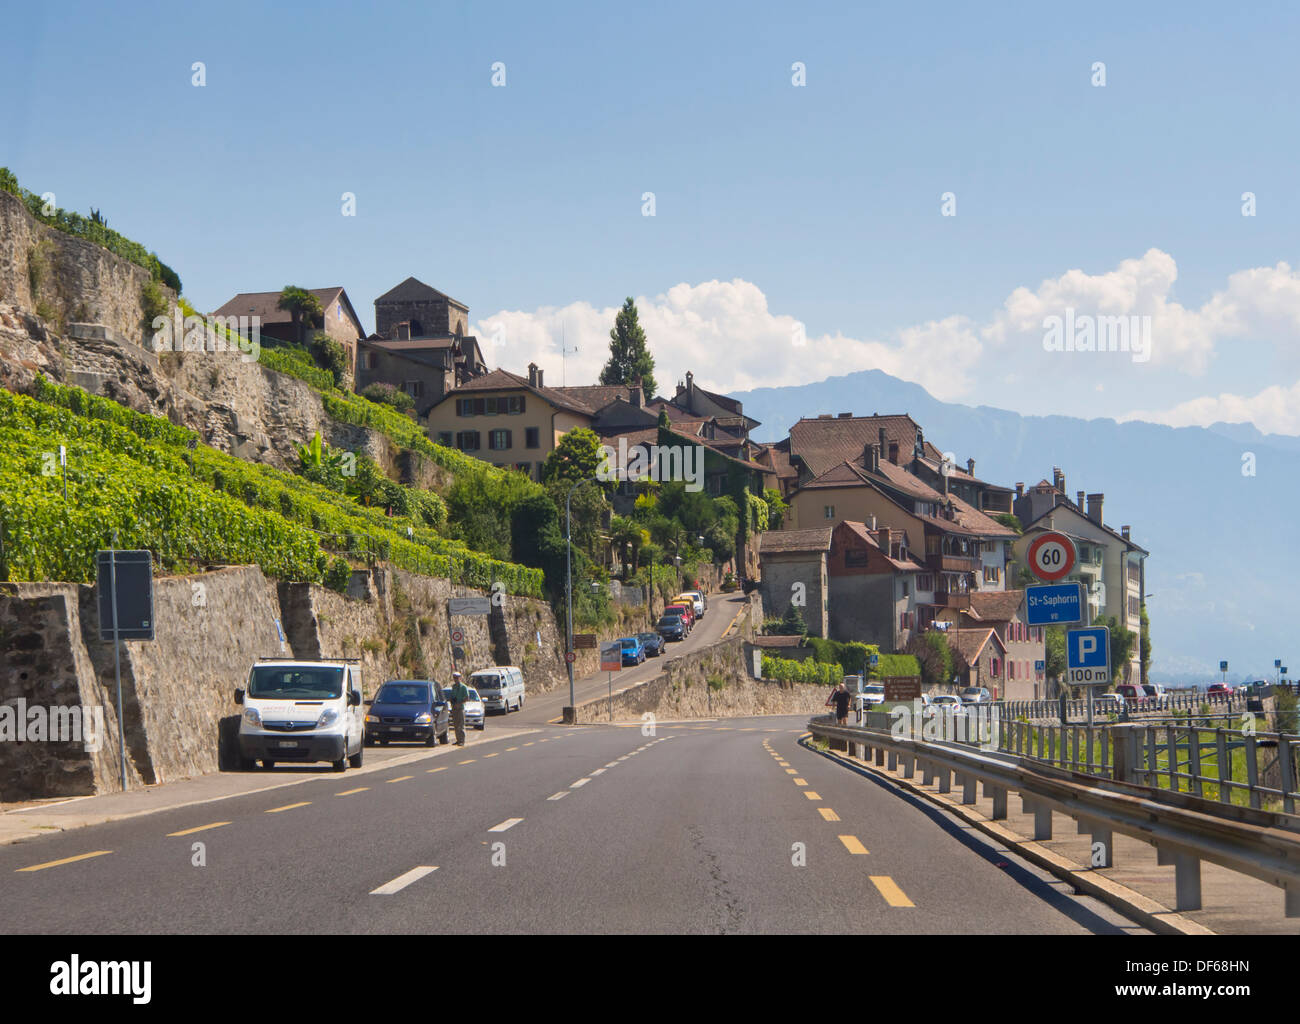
<point x="302" y="307"/>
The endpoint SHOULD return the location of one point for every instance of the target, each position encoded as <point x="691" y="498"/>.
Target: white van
<point x="501" y="687"/>
<point x="699" y="600"/>
<point x="302" y="710"/>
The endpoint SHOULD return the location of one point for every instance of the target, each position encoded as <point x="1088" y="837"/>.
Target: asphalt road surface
<point x="716" y="827"/>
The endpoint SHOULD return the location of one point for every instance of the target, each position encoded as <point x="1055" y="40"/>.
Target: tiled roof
<point x="415" y="344"/>
<point x="265" y="305"/>
<point x="972" y="519"/>
<point x="996" y="605"/>
<point x="777" y="541"/>
<point x="503" y="380"/>
<point x="821" y="443"/>
<point x="970" y="642"/>
<point x="596" y="395"/>
<point x="412" y="290"/>
<point x="860" y="529"/>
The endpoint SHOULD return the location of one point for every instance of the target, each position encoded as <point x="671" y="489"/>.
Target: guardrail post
<point x="891" y="761"/>
<point x="968" y="789"/>
<point x="1104" y="838"/>
<point x="927" y="773"/>
<point x="945" y="780"/>
<point x="880" y="756"/>
<point x="1042" y="817"/>
<point x="999" y="802"/>
<point x="1187" y="882"/>
<point x="909" y="766"/>
<point x="1127" y="752"/>
<point x="1292" y="900"/>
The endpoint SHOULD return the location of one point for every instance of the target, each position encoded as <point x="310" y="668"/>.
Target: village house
<point x="338" y="319"/>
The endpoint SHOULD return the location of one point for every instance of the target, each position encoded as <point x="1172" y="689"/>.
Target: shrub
<point x="338" y="575"/>
<point x="386" y="394"/>
<point x="787" y="670"/>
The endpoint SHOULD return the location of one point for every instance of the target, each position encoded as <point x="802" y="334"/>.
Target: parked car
<point x="653" y="644"/>
<point x="975" y="695"/>
<point x="698" y="602"/>
<point x="501" y="687"/>
<point x="685" y="612"/>
<point x="407" y="709"/>
<point x="871" y="695"/>
<point x="474" y="709"/>
<point x="948" y="703"/>
<point x="633" y="650"/>
<point x="1222" y="689"/>
<point x="671" y="627"/>
<point x="1109" y="703"/>
<point x="300" y="710"/>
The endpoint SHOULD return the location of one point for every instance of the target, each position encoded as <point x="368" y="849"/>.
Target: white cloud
<point x="725" y="332"/>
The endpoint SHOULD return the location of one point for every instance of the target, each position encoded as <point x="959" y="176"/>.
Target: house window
<point x="828" y="511"/>
<point x="499" y="440"/>
<point x="372" y="360"/>
<point x="1011" y="670"/>
<point x="990" y="574"/>
<point x="467" y="440"/>
<point x="445" y="439"/>
<point x="907" y="589"/>
<point x="925" y="582"/>
<point x="855" y="559"/>
<point x="530" y="437"/>
<point x="525" y="467"/>
<point x="994" y="668"/>
<point x="414" y="388"/>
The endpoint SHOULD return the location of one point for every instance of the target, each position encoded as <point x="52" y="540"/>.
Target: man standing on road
<point x="458" y="694"/>
<point x="840" y="698"/>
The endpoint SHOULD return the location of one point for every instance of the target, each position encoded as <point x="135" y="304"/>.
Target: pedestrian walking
<point x="457" y="695"/>
<point x="840" y="697"/>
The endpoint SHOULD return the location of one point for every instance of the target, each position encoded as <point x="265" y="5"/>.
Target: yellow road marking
<point x="828" y="814"/>
<point x="288" y="807"/>
<point x="470" y="761"/>
<point x="485" y="756"/>
<point x="199" y="828"/>
<point x="430" y="771"/>
<point x="508" y="749"/>
<point x="65" y="860"/>
<point x="800" y="782"/>
<point x="889" y="889"/>
<point x="792" y="771"/>
<point x="853" y="844"/>
<point x="349" y="792"/>
<point x="811" y="795"/>
<point x="530" y="743"/>
<point x="401" y="778"/>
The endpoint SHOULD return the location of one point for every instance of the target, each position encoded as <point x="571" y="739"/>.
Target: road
<point x="701" y="828"/>
<point x="547" y="707"/>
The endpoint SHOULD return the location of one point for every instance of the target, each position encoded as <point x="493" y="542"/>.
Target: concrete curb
<point x="45" y="828"/>
<point x="1130" y="903"/>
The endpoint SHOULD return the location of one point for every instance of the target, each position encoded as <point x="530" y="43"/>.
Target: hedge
<point x="786" y="670"/>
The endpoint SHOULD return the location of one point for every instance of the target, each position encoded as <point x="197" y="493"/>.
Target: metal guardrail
<point x="1185" y="829"/>
<point x="1224" y="703"/>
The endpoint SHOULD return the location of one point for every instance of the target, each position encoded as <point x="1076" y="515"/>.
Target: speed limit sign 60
<point x="1051" y="556"/>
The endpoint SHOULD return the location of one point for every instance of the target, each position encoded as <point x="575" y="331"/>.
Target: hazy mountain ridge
<point x="1219" y="561"/>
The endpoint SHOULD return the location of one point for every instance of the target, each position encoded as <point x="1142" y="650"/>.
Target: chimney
<point x="881" y="436"/>
<point x="1123" y="532"/>
<point x="403" y="331"/>
<point x="634" y="394"/>
<point x="534" y="378"/>
<point x="690" y="391"/>
<point x="1079" y="495"/>
<point x="893" y="452"/>
<point x="1020" y="488"/>
<point x="883" y="538"/>
<point x="846" y="415"/>
<point x="970" y="466"/>
<point x="1094" y="507"/>
<point x="871" y="523"/>
<point x="871" y="458"/>
<point x="1057" y="477"/>
<point x="825" y="416"/>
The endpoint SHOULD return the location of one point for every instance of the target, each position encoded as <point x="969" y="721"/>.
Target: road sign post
<point x="125" y="584"/>
<point x="611" y="660"/>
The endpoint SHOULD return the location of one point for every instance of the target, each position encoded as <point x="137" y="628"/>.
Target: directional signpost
<point x="469" y="606"/>
<point x="124" y="583"/>
<point x="1054" y="604"/>
<point x="611" y="661"/>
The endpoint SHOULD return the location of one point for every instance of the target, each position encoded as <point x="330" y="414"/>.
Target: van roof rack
<point x="286" y="657"/>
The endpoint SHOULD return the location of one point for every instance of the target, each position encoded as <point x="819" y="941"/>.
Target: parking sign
<point x="1087" y="656"/>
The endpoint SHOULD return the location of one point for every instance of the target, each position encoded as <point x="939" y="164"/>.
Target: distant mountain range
<point x="1223" y="544"/>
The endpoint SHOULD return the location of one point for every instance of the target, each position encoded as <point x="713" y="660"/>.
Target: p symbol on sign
<point x="1087" y="645"/>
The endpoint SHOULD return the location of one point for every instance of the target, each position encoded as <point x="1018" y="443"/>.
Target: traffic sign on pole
<point x="1049" y="604"/>
<point x="570" y="656"/>
<point x="611" y="656"/>
<point x="457" y="636"/>
<point x="1051" y="556"/>
<point x="1087" y="656"/>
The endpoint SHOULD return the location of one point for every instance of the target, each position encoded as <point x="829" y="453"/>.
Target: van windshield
<point x="487" y="682"/>
<point x="296" y="682"/>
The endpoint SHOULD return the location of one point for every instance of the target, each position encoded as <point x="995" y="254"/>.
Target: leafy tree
<point x="624" y="531"/>
<point x="933" y="654"/>
<point x="1145" y="654"/>
<point x="330" y="355"/>
<point x="386" y="394"/>
<point x="1010" y="521"/>
<point x="576" y="457"/>
<point x="1054" y="645"/>
<point x="302" y="306"/>
<point x="629" y="358"/>
<point x="777" y="507"/>
<point x="1122" y="640"/>
<point x="792" y="623"/>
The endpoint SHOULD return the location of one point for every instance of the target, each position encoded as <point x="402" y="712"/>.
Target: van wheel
<point x="341" y="765"/>
<point x="355" y="760"/>
<point x="432" y="741"/>
<point x="267" y="765"/>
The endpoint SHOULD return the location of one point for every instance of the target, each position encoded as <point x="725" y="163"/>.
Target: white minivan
<point x="302" y="710"/>
<point x="500" y="687"/>
<point x="699" y="600"/>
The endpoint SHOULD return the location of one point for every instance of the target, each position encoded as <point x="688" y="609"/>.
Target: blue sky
<point x="817" y="205"/>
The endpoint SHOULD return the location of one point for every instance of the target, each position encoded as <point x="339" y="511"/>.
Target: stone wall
<point x="178" y="689"/>
<point x="76" y="279"/>
<point x="683" y="690"/>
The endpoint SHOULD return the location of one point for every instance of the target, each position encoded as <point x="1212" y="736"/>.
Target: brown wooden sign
<point x="584" y="641"/>
<point x="902" y="687"/>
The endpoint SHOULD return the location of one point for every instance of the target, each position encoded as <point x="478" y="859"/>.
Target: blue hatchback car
<point x="633" y="650"/>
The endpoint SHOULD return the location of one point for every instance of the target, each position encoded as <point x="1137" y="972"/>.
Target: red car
<point x="1219" y="688"/>
<point x="687" y="614"/>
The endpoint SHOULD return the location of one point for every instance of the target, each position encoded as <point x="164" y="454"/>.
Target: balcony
<point x="952" y="563"/>
<point x="952" y="599"/>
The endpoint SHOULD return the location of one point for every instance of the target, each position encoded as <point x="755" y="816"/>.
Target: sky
<point x="798" y="230"/>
